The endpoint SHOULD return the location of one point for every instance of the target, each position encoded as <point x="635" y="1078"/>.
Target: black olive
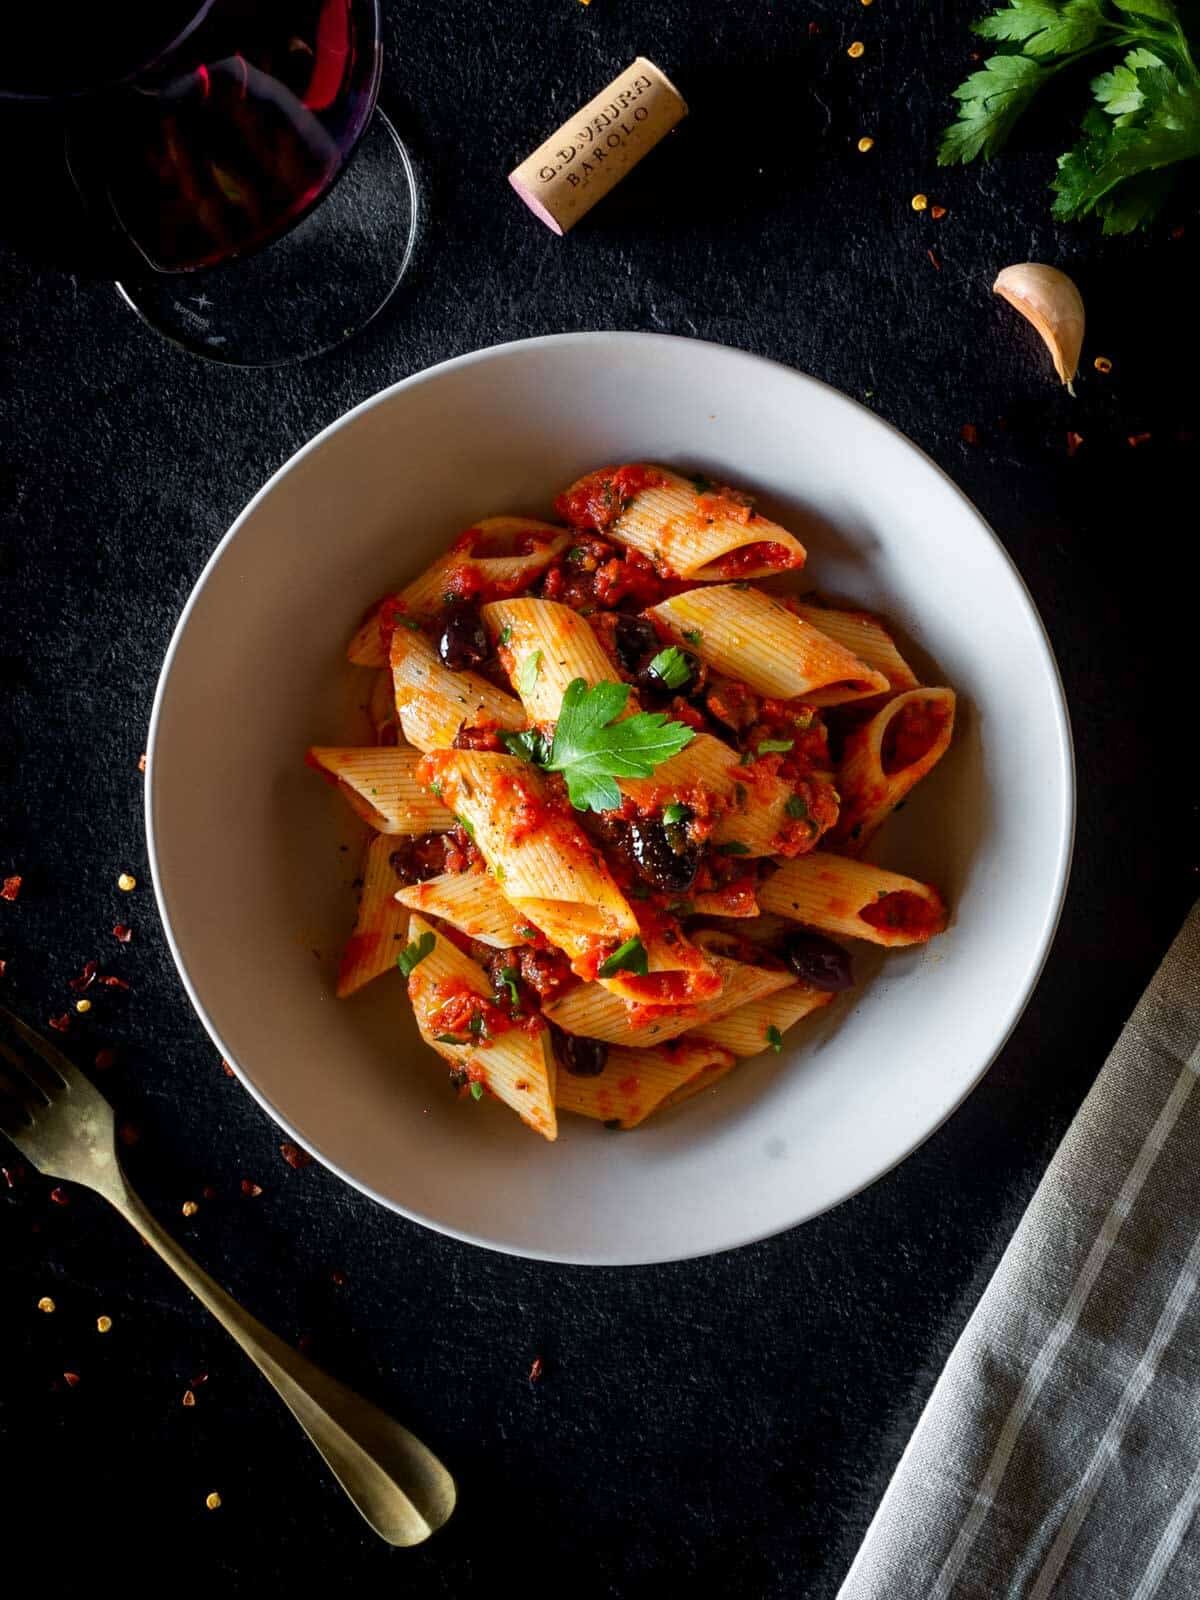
<point x="663" y="855"/>
<point x="818" y="961"/>
<point x="459" y="1077"/>
<point x="634" y="638"/>
<point x="580" y="1056"/>
<point x="414" y="860"/>
<point x="463" y="641"/>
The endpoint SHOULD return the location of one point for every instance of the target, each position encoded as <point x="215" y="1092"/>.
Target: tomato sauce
<point x="750" y="558"/>
<point x="597" y="500"/>
<point x="912" y="733"/>
<point x="476" y="1017"/>
<point x="902" y="911"/>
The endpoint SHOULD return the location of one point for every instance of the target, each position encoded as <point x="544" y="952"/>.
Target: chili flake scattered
<point x="934" y="260"/>
<point x="103" y="1324"/>
<point x="536" y="1370"/>
<point x="47" y="1305"/>
<point x="142" y="762"/>
<point x="12" y="887"/>
<point x="937" y="212"/>
<point x="71" y="1379"/>
<point x="3" y="966"/>
<point x="189" y="1208"/>
<point x="83" y="1005"/>
<point x="338" y="1276"/>
<point x="208" y="1192"/>
<point x="1136" y="439"/>
<point x="213" y="1501"/>
<point x="1074" y="440"/>
<point x="62" y="1023"/>
<point x="227" y="1069"/>
<point x="866" y="143"/>
<point x="252" y="1190"/>
<point x="126" y="882"/>
<point x="201" y="1377"/>
<point x="59" y="1195"/>
<point x="122" y="932"/>
<point x="189" y="1398"/>
<point x="857" y="49"/>
<point x="919" y="202"/>
<point x="1102" y="365"/>
<point x="969" y="433"/>
<point x="104" y="1060"/>
<point x="295" y="1157"/>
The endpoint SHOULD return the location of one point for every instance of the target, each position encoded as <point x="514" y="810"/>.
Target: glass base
<point x="310" y="290"/>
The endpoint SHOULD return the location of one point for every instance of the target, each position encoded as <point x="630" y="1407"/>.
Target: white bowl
<point x="244" y="840"/>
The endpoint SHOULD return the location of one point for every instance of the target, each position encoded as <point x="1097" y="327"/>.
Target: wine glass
<point x="211" y="142"/>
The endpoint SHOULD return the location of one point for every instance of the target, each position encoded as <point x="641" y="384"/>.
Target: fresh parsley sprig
<point x="591" y="748"/>
<point x="1146" y="119"/>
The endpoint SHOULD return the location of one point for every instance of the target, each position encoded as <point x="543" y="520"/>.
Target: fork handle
<point x="398" y="1485"/>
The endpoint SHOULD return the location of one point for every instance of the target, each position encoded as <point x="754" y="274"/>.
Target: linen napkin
<point x="1059" y="1453"/>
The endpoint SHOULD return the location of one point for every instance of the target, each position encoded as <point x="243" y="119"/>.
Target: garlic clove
<point x="1048" y="298"/>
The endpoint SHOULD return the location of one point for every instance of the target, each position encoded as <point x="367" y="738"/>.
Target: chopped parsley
<point x="740" y="795"/>
<point x="693" y="635"/>
<point x="448" y="1038"/>
<point x="475" y="1026"/>
<point x="797" y="806"/>
<point x="506" y="633"/>
<point x="465" y="823"/>
<point x="670" y="667"/>
<point x="530" y="745"/>
<point x="733" y="847"/>
<point x="766" y="747"/>
<point x="675" y="812"/>
<point x="775" y="1038"/>
<point x="413" y="954"/>
<point x="508" y="977"/>
<point x="476" y="1091"/>
<point x="628" y="957"/>
<point x="527" y="673"/>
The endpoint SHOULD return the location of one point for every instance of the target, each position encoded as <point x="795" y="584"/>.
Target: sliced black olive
<point x="663" y="855"/>
<point x="577" y="1054"/>
<point x="414" y="860"/>
<point x="459" y="1077"/>
<point x="634" y="638"/>
<point x="818" y="961"/>
<point x="463" y="641"/>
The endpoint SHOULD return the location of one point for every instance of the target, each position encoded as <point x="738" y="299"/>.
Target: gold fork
<point x="63" y="1125"/>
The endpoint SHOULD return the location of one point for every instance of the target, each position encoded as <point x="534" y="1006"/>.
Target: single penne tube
<point x="544" y="646"/>
<point x="516" y="1064"/>
<point x="544" y="863"/>
<point x="749" y="635"/>
<point x="885" y="758"/>
<point x="678" y="973"/>
<point x="635" y="1083"/>
<point x="381" y="708"/>
<point x="839" y="895"/>
<point x="689" y="527"/>
<point x="761" y="1023"/>
<point x="594" y="1011"/>
<point x="469" y="901"/>
<point x="380" y="785"/>
<point x="378" y="936"/>
<point x="433" y="702"/>
<point x="707" y="1078"/>
<point x="460" y="571"/>
<point x="863" y="636"/>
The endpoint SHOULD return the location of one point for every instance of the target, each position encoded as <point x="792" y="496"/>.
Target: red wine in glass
<point x="210" y="134"/>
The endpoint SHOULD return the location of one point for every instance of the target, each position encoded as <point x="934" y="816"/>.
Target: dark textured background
<point x="735" y="1417"/>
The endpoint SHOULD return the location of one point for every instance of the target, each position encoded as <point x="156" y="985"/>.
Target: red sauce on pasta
<point x="905" y="912"/>
<point x="599" y="499"/>
<point x="912" y="733"/>
<point x="753" y="558"/>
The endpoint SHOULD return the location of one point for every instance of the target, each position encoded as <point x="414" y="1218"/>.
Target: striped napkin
<point x="1059" y="1453"/>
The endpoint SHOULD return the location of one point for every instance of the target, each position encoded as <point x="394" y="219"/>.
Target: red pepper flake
<point x="59" y="1195"/>
<point x="208" y="1192"/>
<point x="71" y="1379"/>
<point x="86" y="978"/>
<point x="1074" y="440"/>
<point x="1136" y="439"/>
<point x="3" y="966"/>
<point x="814" y="30"/>
<point x="536" y="1370"/>
<point x="969" y="433"/>
<point x="295" y="1157"/>
<point x="105" y="1059"/>
<point x="189" y="1399"/>
<point x="122" y="932"/>
<point x="12" y="1175"/>
<point x="110" y="981"/>
<point x="200" y="1378"/>
<point x="251" y="1190"/>
<point x="937" y="212"/>
<point x="933" y="260"/>
<point x="12" y="887"/>
<point x="129" y="1134"/>
<point x="227" y="1069"/>
<point x="61" y="1024"/>
<point x="338" y="1276"/>
<point x="142" y="762"/>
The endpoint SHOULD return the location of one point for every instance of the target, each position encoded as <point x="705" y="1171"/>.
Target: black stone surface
<point x="730" y="1421"/>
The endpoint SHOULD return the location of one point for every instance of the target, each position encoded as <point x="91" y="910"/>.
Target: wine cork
<point x="563" y="178"/>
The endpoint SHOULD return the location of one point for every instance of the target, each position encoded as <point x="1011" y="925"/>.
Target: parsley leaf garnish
<point x="766" y="747"/>
<point x="413" y="954"/>
<point x="670" y="667"/>
<point x="592" y="749"/>
<point x="448" y="1038"/>
<point x="476" y="1091"/>
<point x="508" y="977"/>
<point x="530" y="745"/>
<point x="692" y="635"/>
<point x="674" y="813"/>
<point x="775" y="1038"/>
<point x="505" y="633"/>
<point x="628" y="957"/>
<point x="1147" y="113"/>
<point x="527" y="672"/>
<point x="733" y="847"/>
<point x="465" y="823"/>
<point x="797" y="807"/>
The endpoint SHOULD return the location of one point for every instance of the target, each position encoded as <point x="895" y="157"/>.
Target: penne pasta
<point x="544" y="863"/>
<point x="433" y="703"/>
<point x="748" y="635"/>
<point x="516" y="1064"/>
<point x="840" y="895"/>
<point x="379" y="784"/>
<point x="381" y="708"/>
<point x="884" y="759"/>
<point x="378" y="935"/>
<point x="594" y="1011"/>
<point x="635" y="1083"/>
<point x="863" y="636"/>
<point x="707" y="1078"/>
<point x="469" y="901"/>
<point x="688" y="527"/>
<point x="544" y="647"/>
<point x="460" y="571"/>
<point x="760" y="1024"/>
